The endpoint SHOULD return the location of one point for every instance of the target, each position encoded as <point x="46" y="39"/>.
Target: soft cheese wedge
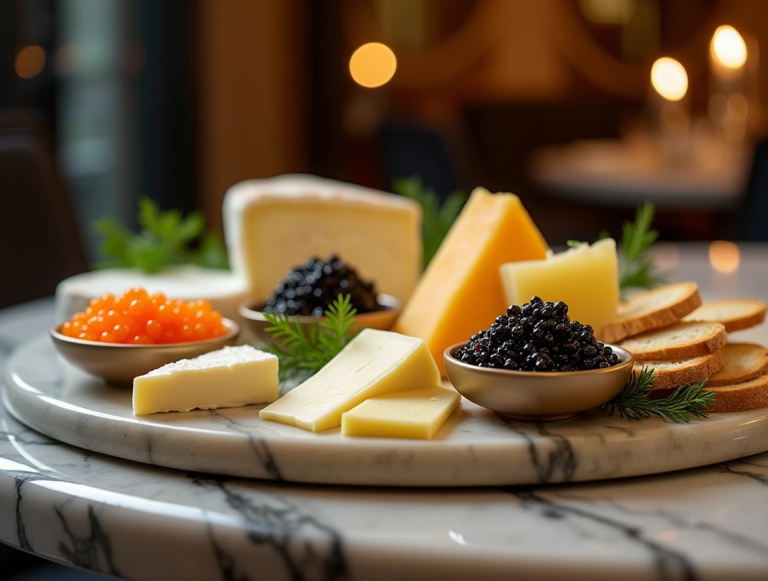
<point x="229" y="377"/>
<point x="461" y="291"/>
<point x="274" y="224"/>
<point x="586" y="278"/>
<point x="416" y="414"/>
<point x="374" y="363"/>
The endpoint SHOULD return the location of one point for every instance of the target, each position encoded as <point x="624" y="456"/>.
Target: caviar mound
<point x="139" y="318"/>
<point x="311" y="288"/>
<point x="537" y="336"/>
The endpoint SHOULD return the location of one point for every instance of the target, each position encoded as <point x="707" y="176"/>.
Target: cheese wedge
<point x="374" y="363"/>
<point x="274" y="224"/>
<point x="229" y="377"/>
<point x="460" y="292"/>
<point x="586" y="278"/>
<point x="223" y="289"/>
<point x="416" y="414"/>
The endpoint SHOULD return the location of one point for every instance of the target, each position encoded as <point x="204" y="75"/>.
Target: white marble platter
<point x="474" y="447"/>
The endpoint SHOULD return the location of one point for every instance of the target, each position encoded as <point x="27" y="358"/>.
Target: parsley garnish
<point x="437" y="219"/>
<point x="301" y="354"/>
<point x="165" y="238"/>
<point x="633" y="400"/>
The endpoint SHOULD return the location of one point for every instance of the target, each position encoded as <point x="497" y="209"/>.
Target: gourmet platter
<point x="370" y="338"/>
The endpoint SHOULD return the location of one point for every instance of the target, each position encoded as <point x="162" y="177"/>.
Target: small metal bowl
<point x="118" y="364"/>
<point x="537" y="396"/>
<point x="383" y="319"/>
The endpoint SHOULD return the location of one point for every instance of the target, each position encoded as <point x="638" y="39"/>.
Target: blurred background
<point x="552" y="100"/>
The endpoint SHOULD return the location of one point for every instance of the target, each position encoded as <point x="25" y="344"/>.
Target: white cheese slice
<point x="222" y="288"/>
<point x="272" y="225"/>
<point x="374" y="363"/>
<point x="229" y="377"/>
<point x="417" y="413"/>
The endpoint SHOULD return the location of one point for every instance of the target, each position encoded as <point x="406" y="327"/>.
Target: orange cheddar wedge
<point x="461" y="291"/>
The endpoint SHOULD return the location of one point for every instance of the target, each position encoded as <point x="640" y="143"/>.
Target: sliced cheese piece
<point x="374" y="363"/>
<point x="229" y="377"/>
<point x="461" y="290"/>
<point x="274" y="224"/>
<point x="586" y="278"/>
<point x="416" y="414"/>
<point x="223" y="289"/>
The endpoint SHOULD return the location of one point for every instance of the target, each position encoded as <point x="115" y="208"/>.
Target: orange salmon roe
<point x="143" y="319"/>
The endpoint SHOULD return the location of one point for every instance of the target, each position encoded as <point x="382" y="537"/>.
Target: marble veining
<point x="474" y="447"/>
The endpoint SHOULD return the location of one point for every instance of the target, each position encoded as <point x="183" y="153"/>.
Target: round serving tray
<point x="474" y="448"/>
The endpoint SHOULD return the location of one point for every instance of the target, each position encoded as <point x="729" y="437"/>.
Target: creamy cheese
<point x="229" y="377"/>
<point x="374" y="363"/>
<point x="223" y="289"/>
<point x="417" y="413"/>
<point x="586" y="278"/>
<point x="275" y="224"/>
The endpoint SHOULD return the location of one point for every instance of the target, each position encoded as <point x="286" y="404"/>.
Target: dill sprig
<point x="436" y="219"/>
<point x="302" y="354"/>
<point x="633" y="401"/>
<point x="637" y="269"/>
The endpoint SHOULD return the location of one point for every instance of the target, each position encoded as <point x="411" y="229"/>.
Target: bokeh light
<point x="669" y="79"/>
<point x="729" y="47"/>
<point x="373" y="65"/>
<point x="30" y="61"/>
<point x="724" y="256"/>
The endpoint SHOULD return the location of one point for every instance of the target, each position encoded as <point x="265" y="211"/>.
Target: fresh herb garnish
<point x="301" y="354"/>
<point x="437" y="219"/>
<point x="633" y="402"/>
<point x="165" y="238"/>
<point x="637" y="269"/>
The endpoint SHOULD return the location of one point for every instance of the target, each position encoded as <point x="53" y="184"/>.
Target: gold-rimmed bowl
<point x="253" y="314"/>
<point x="534" y="395"/>
<point x="118" y="364"/>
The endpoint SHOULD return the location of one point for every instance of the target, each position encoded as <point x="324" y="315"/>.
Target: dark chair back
<point x="753" y="223"/>
<point x="39" y="243"/>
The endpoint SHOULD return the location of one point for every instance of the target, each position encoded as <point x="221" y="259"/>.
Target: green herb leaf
<point x="301" y="354"/>
<point x="637" y="269"/>
<point x="633" y="401"/>
<point x="574" y="243"/>
<point x="165" y="238"/>
<point x="436" y="219"/>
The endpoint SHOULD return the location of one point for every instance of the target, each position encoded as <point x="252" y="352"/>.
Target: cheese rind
<point x="275" y="224"/>
<point x="460" y="292"/>
<point x="416" y="414"/>
<point x="223" y="289"/>
<point x="586" y="278"/>
<point x="374" y="363"/>
<point x="229" y="377"/>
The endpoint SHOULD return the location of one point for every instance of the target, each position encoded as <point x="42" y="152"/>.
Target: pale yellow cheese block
<point x="229" y="377"/>
<point x="374" y="363"/>
<point x="416" y="414"/>
<point x="586" y="278"/>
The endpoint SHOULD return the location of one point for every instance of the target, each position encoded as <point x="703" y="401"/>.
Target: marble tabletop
<point x="134" y="521"/>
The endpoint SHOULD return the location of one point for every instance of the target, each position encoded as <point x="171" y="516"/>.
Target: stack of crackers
<point x="684" y="341"/>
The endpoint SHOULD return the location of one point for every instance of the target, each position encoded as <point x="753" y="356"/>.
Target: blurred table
<point x="136" y="521"/>
<point x="628" y="173"/>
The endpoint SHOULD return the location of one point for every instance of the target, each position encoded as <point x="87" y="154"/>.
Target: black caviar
<point x="311" y="288"/>
<point x="538" y="336"/>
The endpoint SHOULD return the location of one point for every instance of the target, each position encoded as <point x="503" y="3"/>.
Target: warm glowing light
<point x="372" y="65"/>
<point x="724" y="256"/>
<point x="30" y="61"/>
<point x="669" y="79"/>
<point x="728" y="47"/>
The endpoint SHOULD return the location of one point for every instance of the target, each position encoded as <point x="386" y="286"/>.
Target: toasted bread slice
<point x="739" y="397"/>
<point x="682" y="372"/>
<point x="742" y="362"/>
<point x="678" y="341"/>
<point x="735" y="314"/>
<point x="651" y="310"/>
